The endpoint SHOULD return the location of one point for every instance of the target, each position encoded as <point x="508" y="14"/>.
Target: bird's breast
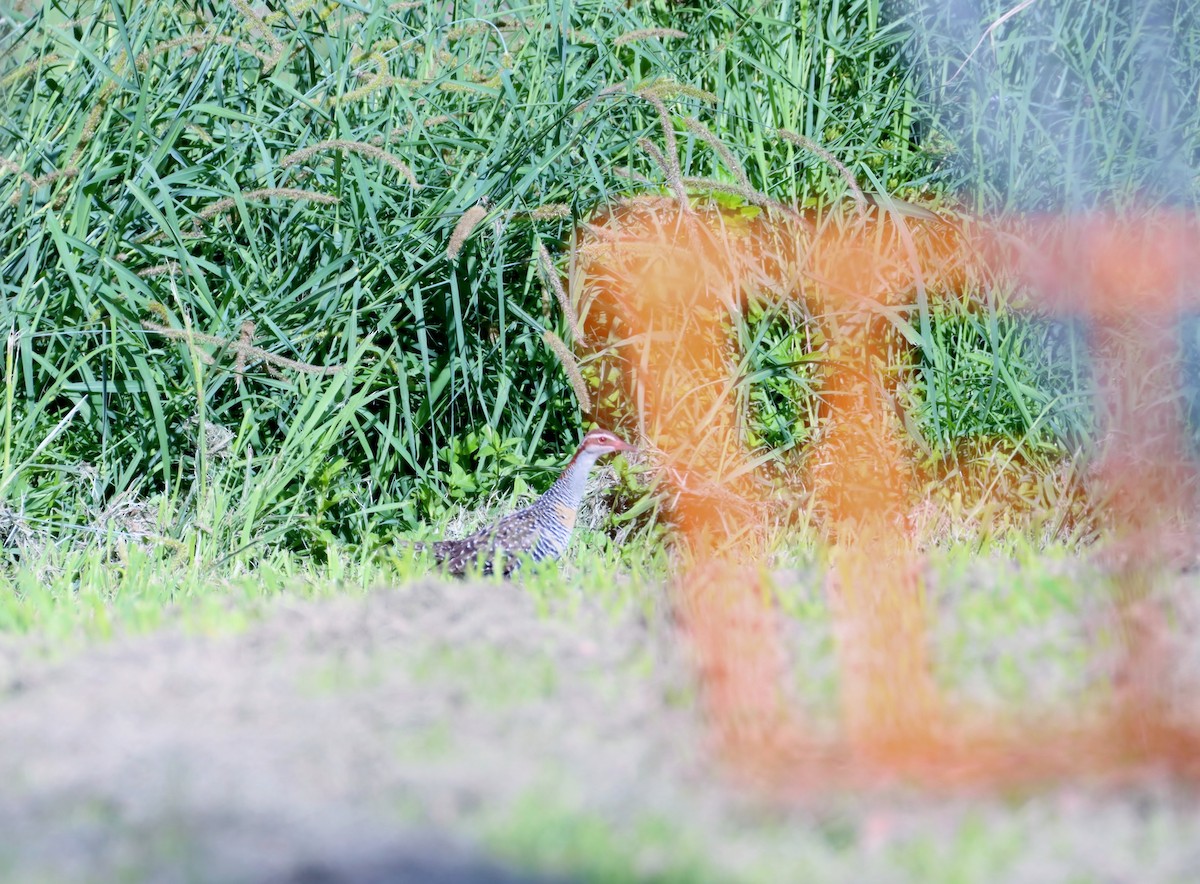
<point x="565" y="515"/>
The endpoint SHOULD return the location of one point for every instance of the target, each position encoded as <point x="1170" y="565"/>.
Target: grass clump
<point x="151" y="210"/>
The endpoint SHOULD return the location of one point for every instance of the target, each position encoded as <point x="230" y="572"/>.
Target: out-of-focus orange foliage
<point x="673" y="274"/>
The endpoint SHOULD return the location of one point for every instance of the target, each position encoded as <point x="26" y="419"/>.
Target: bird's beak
<point x="625" y="446"/>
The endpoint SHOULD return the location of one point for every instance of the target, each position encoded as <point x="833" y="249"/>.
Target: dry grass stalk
<point x="288" y="193"/>
<point x="195" y="40"/>
<point x="9" y="165"/>
<point x="358" y="17"/>
<point x="651" y="150"/>
<point x="466" y="224"/>
<point x="459" y="86"/>
<point x="199" y="40"/>
<point x="664" y="117"/>
<point x="245" y="341"/>
<point x="551" y="277"/>
<point x="467" y="30"/>
<point x="810" y="145"/>
<point x="352" y="19"/>
<point x="244" y="350"/>
<point x="670" y="170"/>
<point x="605" y="233"/>
<point x="200" y="132"/>
<point x="567" y="360"/>
<point x="1020" y="7"/>
<point x="731" y="162"/>
<point x="400" y="133"/>
<point x="626" y="172"/>
<point x="295" y="10"/>
<point x="93" y="117"/>
<point x="385" y="45"/>
<point x="331" y="9"/>
<point x="93" y="120"/>
<point x="482" y="77"/>
<point x="358" y="147"/>
<point x="36" y="183"/>
<point x="649" y="34"/>
<point x="50" y="178"/>
<point x="75" y="23"/>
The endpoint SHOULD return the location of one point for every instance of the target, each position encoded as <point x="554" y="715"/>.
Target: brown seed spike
<point x="466" y="224"/>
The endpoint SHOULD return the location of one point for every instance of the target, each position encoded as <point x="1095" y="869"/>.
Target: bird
<point x="538" y="531"/>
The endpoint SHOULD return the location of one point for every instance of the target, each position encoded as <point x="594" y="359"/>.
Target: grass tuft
<point x="161" y="127"/>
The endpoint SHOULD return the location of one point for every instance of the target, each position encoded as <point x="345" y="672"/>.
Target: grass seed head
<point x="286" y="193"/>
<point x="731" y="162"/>
<point x="29" y="68"/>
<point x="649" y="34"/>
<point x="810" y="145"/>
<point x="466" y="225"/>
<point x="551" y="211"/>
<point x="665" y="88"/>
<point x="567" y="359"/>
<point x="359" y="147"/>
<point x="550" y="273"/>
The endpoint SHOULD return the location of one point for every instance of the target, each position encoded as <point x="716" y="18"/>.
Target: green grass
<point x="1008" y="631"/>
<point x="431" y="347"/>
<point x="175" y="206"/>
<point x="1064" y="105"/>
<point x="80" y="595"/>
<point x="555" y="837"/>
<point x="985" y="623"/>
<point x="558" y="838"/>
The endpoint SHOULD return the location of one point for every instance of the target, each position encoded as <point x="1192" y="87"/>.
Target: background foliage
<point x="168" y="187"/>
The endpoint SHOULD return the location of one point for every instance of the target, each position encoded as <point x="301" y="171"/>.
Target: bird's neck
<point x="569" y="487"/>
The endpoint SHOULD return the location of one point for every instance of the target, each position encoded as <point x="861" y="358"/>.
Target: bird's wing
<point x="510" y="536"/>
<point x="518" y="532"/>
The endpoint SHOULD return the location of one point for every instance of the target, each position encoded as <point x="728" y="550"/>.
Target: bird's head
<point x="600" y="442"/>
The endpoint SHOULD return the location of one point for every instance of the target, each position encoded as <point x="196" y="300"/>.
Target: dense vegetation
<point x="271" y="277"/>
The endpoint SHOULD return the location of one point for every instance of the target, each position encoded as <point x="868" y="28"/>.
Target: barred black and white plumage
<point x="541" y="530"/>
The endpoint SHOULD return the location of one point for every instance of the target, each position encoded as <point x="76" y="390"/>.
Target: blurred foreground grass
<point x="1009" y="629"/>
